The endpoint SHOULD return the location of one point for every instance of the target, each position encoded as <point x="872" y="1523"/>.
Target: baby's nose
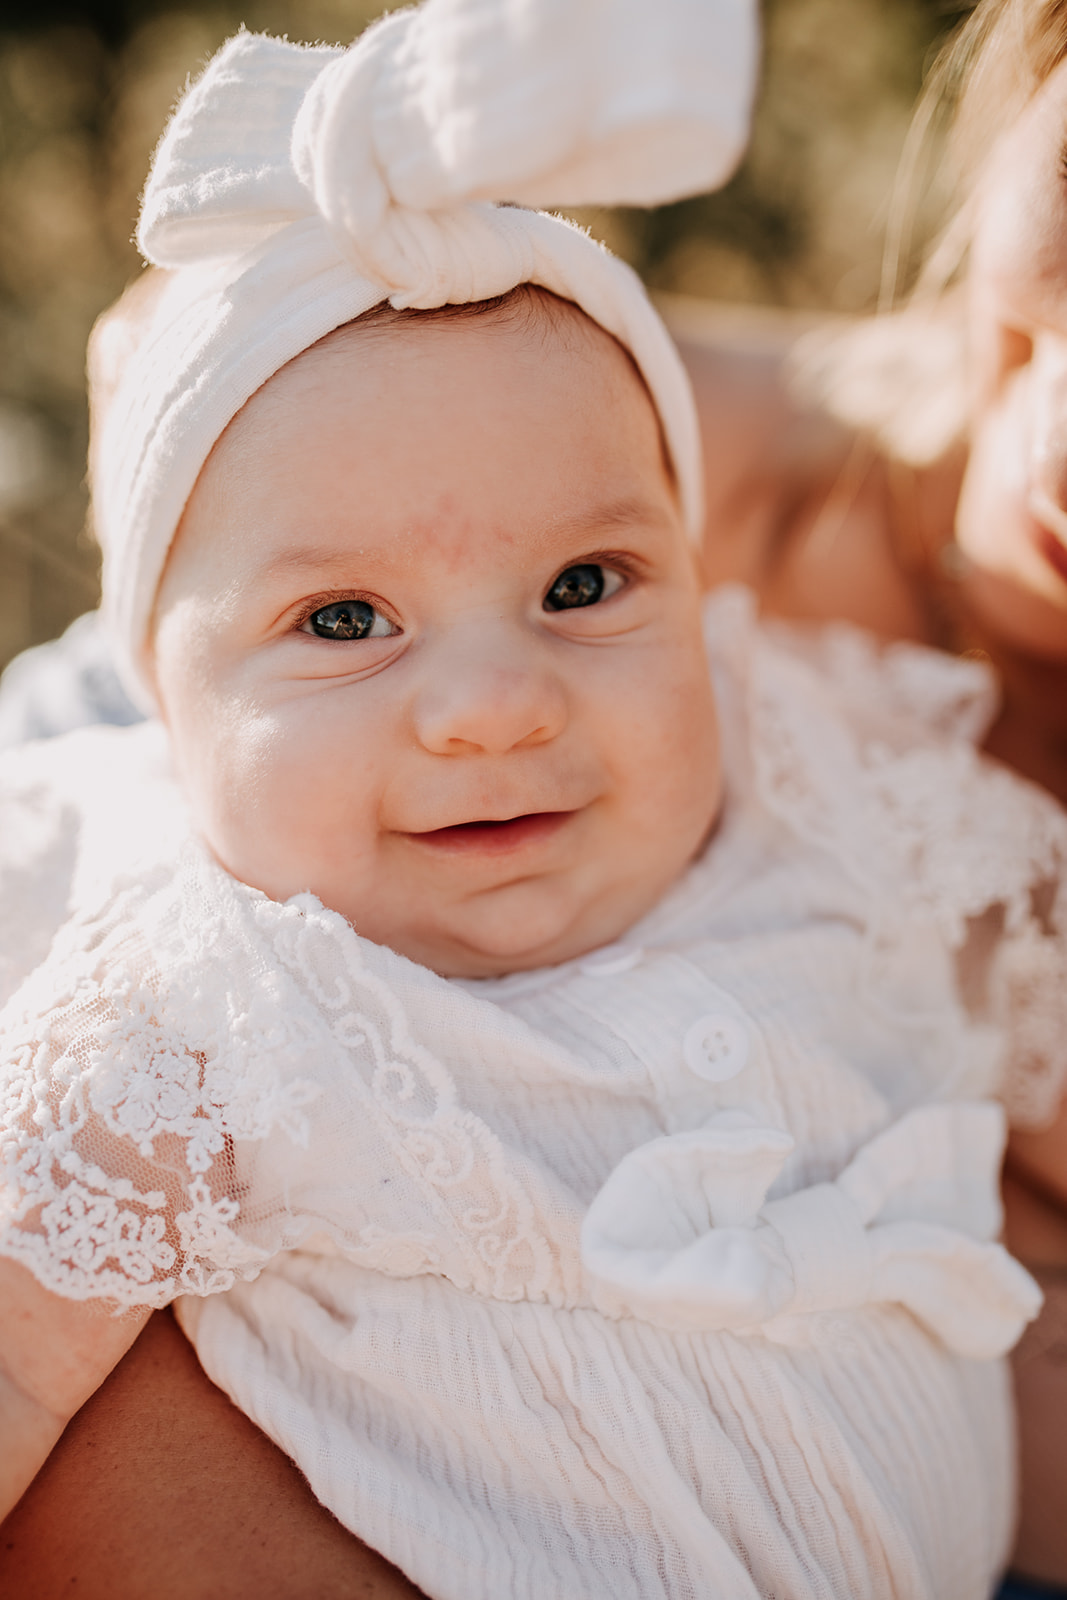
<point x="488" y="695"/>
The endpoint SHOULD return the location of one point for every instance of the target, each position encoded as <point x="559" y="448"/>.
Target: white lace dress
<point x="667" y="1272"/>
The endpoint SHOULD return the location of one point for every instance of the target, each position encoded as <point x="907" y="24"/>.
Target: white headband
<point x="295" y="188"/>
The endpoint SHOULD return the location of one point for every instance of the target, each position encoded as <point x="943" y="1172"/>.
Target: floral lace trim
<point x="117" y="1134"/>
<point x="497" y="1245"/>
<point x="128" y="1104"/>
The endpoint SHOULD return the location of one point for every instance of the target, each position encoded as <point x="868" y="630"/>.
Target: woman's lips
<point x="1049" y="525"/>
<point x="490" y="837"/>
<point x="1053" y="550"/>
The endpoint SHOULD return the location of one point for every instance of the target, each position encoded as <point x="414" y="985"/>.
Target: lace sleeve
<point x="198" y="1078"/>
<point x="127" y="1140"/>
<point x="869" y="754"/>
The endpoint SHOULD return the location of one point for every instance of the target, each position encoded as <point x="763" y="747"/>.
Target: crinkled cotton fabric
<point x="295" y="188"/>
<point x="668" y="1272"/>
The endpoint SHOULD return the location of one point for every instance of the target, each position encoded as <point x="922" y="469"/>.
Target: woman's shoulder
<point x="831" y="455"/>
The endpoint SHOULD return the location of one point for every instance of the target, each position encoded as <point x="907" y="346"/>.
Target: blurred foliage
<point x="86" y="87"/>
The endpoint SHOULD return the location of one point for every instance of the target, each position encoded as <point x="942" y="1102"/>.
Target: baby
<point x="555" y="1072"/>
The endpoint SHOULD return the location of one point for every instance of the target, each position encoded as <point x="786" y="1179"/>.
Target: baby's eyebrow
<point x="630" y="512"/>
<point x="329" y="562"/>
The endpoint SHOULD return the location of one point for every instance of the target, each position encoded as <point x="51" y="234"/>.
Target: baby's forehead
<point x="497" y="432"/>
<point x="529" y="318"/>
<point x="446" y="354"/>
<point x="527" y="308"/>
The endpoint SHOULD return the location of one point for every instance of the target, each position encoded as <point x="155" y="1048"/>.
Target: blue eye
<point x="582" y="585"/>
<point x="348" y="619"/>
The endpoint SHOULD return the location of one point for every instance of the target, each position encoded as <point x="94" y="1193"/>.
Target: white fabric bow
<point x="682" y="1234"/>
<point x="296" y="188"/>
<point x="398" y="142"/>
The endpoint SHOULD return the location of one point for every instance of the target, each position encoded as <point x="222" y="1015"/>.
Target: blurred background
<point x="86" y="87"/>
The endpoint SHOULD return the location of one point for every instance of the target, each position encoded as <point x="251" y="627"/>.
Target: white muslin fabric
<point x="295" y="188"/>
<point x="543" y="1308"/>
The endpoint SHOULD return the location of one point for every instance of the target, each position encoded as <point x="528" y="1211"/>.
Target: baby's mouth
<point x="494" y="835"/>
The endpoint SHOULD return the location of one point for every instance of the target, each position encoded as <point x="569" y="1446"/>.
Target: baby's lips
<point x="492" y="834"/>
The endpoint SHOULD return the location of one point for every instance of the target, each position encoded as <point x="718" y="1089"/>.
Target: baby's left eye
<point x="582" y="585"/>
<point x="348" y="619"/>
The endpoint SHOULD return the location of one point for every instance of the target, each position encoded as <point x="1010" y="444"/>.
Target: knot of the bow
<point x="362" y="147"/>
<point x="402" y="143"/>
<point x="682" y="1234"/>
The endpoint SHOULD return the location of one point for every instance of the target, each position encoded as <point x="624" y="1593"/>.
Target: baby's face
<point x="429" y="645"/>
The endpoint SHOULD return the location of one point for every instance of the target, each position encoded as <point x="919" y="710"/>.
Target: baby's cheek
<point x="692" y="758"/>
<point x="669" y="742"/>
<point x="291" y="804"/>
<point x="241" y="776"/>
<point x="228" y="768"/>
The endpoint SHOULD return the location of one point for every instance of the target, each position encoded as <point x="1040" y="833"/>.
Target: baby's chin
<point x="515" y="931"/>
<point x="517" y="927"/>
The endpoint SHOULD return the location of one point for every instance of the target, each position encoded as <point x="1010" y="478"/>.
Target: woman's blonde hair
<point x="979" y="85"/>
<point x="901" y="377"/>
<point x="993" y="66"/>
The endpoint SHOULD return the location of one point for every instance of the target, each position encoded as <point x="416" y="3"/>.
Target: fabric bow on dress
<point x="683" y="1235"/>
<point x="298" y="187"/>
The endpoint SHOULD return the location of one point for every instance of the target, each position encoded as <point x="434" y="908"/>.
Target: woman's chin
<point x="1026" y="611"/>
<point x="1013" y="572"/>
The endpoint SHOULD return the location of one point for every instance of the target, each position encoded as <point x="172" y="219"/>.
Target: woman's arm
<point x="1038" y="1162"/>
<point x="160" y="1486"/>
<point x="1036" y="1232"/>
<point x="53" y="1354"/>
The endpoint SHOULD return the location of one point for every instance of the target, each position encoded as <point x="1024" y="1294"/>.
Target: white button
<point x="716" y="1048"/>
<point x="610" y="960"/>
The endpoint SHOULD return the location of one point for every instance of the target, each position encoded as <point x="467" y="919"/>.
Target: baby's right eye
<point x="348" y="619"/>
